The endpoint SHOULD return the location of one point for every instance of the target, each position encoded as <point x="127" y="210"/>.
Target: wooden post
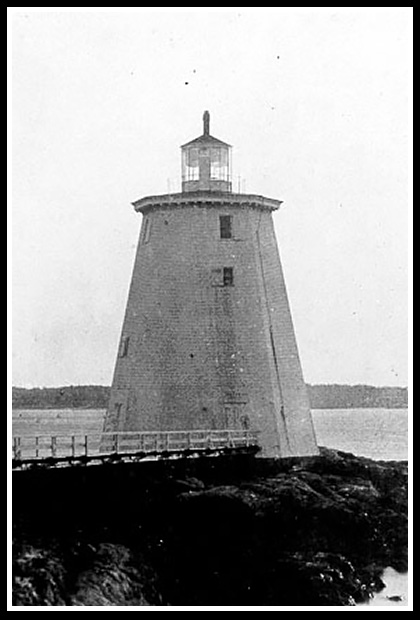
<point x="16" y="448"/>
<point x="73" y="447"/>
<point x="36" y="447"/>
<point x="229" y="440"/>
<point x="115" y="443"/>
<point x="53" y="447"/>
<point x="86" y="445"/>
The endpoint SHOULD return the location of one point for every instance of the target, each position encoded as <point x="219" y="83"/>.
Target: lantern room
<point x="206" y="163"/>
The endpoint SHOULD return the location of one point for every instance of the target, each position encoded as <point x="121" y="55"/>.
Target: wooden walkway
<point x="69" y="450"/>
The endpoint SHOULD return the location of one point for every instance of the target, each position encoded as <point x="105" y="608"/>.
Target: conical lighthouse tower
<point x="207" y="340"/>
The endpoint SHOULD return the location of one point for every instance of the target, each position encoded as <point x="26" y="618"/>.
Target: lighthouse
<point x="207" y="340"/>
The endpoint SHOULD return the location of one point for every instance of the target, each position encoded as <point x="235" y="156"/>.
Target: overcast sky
<point x="315" y="106"/>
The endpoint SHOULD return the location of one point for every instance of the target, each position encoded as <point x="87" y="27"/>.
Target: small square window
<point x="227" y="276"/>
<point x="225" y="226"/>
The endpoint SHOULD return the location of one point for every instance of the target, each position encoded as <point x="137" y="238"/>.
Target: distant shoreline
<point x="321" y="397"/>
<point x="95" y="408"/>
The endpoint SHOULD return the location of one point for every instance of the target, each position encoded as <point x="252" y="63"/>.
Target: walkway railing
<point x="101" y="447"/>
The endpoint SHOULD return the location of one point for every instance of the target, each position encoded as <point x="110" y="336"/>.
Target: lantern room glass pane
<point x="190" y="165"/>
<point x="192" y="158"/>
<point x="219" y="163"/>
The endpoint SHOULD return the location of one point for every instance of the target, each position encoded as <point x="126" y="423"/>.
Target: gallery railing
<point x="68" y="448"/>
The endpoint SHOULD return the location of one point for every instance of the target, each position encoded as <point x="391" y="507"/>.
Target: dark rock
<point x="38" y="577"/>
<point x="314" y="531"/>
<point x="112" y="577"/>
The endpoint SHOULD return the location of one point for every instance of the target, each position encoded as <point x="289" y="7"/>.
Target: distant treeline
<point x="321" y="397"/>
<point x="68" y="397"/>
<point x="357" y="397"/>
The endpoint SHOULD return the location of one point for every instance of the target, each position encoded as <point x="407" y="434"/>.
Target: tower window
<point x="225" y="226"/>
<point x="124" y="347"/>
<point x="227" y="276"/>
<point x="146" y="232"/>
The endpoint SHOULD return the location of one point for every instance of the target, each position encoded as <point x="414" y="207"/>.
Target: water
<point x="394" y="594"/>
<point x="57" y="421"/>
<point x="381" y="434"/>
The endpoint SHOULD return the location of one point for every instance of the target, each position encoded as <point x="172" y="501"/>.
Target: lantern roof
<point x="206" y="139"/>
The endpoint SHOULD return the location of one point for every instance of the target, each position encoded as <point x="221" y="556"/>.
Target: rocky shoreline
<point x="226" y="531"/>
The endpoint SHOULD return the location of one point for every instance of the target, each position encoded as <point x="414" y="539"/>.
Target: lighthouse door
<point x="232" y="416"/>
<point x="236" y="418"/>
